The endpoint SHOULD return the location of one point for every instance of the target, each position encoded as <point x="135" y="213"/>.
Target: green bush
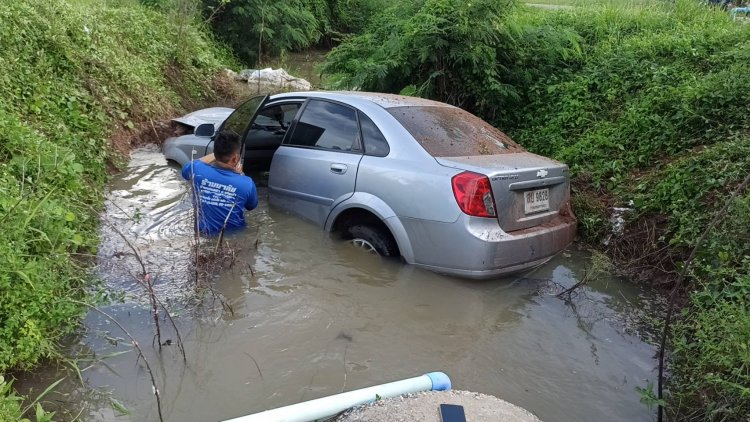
<point x="655" y="111"/>
<point x="338" y="19"/>
<point x="10" y="403"/>
<point x="712" y="354"/>
<point x="71" y="75"/>
<point x="258" y="28"/>
<point x="11" y="408"/>
<point x="353" y="16"/>
<point x="442" y="49"/>
<point x="648" y="104"/>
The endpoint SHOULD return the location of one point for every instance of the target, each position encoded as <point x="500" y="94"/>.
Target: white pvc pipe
<point x="331" y="405"/>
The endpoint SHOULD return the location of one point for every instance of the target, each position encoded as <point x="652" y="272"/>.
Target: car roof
<point x="355" y="97"/>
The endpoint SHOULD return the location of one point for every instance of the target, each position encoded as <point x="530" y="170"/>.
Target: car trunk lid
<point x="529" y="189"/>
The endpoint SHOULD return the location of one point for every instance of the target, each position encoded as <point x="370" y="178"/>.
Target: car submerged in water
<point x="400" y="176"/>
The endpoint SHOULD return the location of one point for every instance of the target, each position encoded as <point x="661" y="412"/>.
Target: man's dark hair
<point x="227" y="144"/>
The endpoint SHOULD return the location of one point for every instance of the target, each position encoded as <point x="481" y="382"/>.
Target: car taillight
<point x="474" y="194"/>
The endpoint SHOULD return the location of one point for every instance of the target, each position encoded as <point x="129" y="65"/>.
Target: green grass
<point x="73" y="74"/>
<point x="584" y="3"/>
<point x="652" y="108"/>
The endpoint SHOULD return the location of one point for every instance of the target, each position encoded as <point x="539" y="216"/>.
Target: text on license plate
<point x="536" y="200"/>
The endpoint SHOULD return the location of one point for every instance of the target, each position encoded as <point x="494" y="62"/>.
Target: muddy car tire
<point x="374" y="239"/>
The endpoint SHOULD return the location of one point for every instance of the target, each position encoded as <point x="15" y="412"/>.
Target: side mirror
<point x="205" y="130"/>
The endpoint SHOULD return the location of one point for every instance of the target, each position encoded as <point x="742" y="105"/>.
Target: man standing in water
<point x="223" y="192"/>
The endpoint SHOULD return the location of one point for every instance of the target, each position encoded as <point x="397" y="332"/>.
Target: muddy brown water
<point x="307" y="315"/>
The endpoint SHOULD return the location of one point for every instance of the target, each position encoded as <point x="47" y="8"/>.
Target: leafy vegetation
<point x="340" y="18"/>
<point x="259" y="29"/>
<point x="11" y="404"/>
<point x="648" y="104"/>
<point x="443" y="49"/>
<point x="72" y="75"/>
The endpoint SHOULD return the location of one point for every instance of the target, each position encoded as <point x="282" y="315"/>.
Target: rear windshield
<point x="452" y="132"/>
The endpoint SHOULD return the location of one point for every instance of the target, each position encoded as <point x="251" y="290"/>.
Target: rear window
<point x="452" y="132"/>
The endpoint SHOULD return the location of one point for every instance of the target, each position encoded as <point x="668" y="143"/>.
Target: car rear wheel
<point x="372" y="240"/>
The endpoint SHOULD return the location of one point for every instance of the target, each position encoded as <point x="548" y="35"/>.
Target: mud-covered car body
<point x="407" y="177"/>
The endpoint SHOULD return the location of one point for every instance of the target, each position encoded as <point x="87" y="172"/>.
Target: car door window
<point x="238" y="121"/>
<point x="374" y="141"/>
<point x="276" y="117"/>
<point x="266" y="120"/>
<point x="328" y="126"/>
<point x="270" y="125"/>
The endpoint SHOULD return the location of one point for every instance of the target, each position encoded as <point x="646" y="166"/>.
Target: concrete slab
<point x="425" y="407"/>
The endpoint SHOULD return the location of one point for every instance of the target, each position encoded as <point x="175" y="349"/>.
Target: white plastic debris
<point x="617" y="221"/>
<point x="273" y="80"/>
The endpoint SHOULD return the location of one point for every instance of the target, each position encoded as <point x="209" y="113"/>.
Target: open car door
<point x="240" y="121"/>
<point x="267" y="131"/>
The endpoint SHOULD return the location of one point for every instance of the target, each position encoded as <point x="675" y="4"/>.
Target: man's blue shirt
<point x="220" y="192"/>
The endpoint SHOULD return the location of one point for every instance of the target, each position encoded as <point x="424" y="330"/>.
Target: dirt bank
<point x="426" y="407"/>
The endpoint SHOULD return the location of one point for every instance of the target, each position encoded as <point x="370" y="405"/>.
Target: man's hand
<point x="238" y="167"/>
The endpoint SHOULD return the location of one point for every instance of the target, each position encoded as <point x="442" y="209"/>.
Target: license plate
<point x="536" y="201"/>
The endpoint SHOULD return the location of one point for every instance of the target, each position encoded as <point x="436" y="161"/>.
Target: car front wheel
<point x="372" y="240"/>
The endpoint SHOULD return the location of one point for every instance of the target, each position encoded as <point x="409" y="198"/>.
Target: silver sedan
<point x="404" y="177"/>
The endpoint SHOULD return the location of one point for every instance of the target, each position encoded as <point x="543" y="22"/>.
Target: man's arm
<point x="252" y="199"/>
<point x="187" y="169"/>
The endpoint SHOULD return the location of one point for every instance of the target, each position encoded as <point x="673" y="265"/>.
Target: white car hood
<point x="215" y="115"/>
